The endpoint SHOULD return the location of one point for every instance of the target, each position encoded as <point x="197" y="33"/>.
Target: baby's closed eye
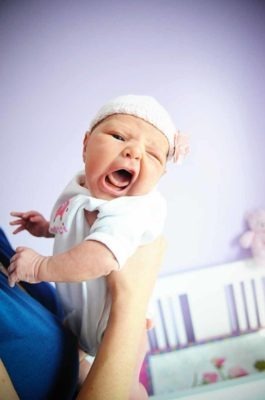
<point x="118" y="136"/>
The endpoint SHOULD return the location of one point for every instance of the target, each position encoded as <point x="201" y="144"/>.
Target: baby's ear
<point x="85" y="140"/>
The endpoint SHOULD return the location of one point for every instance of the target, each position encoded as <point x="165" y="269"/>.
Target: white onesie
<point x="122" y="225"/>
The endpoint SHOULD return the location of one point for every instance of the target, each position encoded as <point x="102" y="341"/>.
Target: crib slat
<point x="174" y="322"/>
<point x="152" y="340"/>
<point x="240" y="307"/>
<point x="251" y="310"/>
<point x="179" y="318"/>
<point x="231" y="308"/>
<point x="158" y="328"/>
<point x="169" y="323"/>
<point x="185" y="307"/>
<point x="260" y="300"/>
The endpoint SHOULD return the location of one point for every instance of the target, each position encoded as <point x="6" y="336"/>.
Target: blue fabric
<point x="39" y="354"/>
<point x="43" y="292"/>
<point x="6" y="251"/>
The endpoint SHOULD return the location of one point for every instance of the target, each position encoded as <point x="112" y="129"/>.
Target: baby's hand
<point x="24" y="266"/>
<point x="31" y="221"/>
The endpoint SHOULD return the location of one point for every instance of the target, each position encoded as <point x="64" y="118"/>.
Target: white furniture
<point x="240" y="389"/>
<point x="202" y="304"/>
<point x="198" y="307"/>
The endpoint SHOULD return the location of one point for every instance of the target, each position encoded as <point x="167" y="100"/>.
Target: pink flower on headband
<point x="181" y="147"/>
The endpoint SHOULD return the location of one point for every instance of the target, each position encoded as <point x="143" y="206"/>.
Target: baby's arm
<point x="31" y="221"/>
<point x="88" y="260"/>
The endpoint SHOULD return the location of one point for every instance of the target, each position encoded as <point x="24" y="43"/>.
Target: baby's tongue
<point x="120" y="178"/>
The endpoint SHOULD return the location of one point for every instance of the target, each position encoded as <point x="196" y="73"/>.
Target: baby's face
<point x="123" y="156"/>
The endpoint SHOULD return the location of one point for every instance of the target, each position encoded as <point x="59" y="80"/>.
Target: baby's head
<point x="126" y="149"/>
<point x="144" y="107"/>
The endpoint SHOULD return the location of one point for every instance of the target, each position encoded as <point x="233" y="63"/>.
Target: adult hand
<point x="112" y="373"/>
<point x="140" y="272"/>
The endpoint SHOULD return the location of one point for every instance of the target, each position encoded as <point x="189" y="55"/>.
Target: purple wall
<point x="204" y="60"/>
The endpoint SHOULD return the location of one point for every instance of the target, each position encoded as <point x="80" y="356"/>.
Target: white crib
<point x="201" y="312"/>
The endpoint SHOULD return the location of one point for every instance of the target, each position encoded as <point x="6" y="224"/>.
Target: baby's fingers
<point x="17" y="214"/>
<point x="12" y="280"/>
<point x="11" y="273"/>
<point x="14" y="258"/>
<point x="17" y="222"/>
<point x="30" y="214"/>
<point x="35" y="218"/>
<point x="21" y="226"/>
<point x="21" y="222"/>
<point x="19" y="250"/>
<point x="11" y="268"/>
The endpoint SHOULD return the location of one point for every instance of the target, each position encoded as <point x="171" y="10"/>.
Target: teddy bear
<point x="254" y="237"/>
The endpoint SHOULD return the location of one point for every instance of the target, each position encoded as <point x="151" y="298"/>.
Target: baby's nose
<point x="133" y="151"/>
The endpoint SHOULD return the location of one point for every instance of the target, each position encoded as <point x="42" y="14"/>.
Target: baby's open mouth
<point x="120" y="178"/>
